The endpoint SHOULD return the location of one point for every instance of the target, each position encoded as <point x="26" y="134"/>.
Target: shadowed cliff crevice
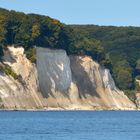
<point x="81" y="78"/>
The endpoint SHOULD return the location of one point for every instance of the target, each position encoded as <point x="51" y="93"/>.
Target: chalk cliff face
<point x="21" y="93"/>
<point x="138" y="95"/>
<point x="58" y="81"/>
<point x="96" y="85"/>
<point x="77" y="82"/>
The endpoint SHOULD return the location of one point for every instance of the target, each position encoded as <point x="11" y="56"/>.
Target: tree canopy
<point x="122" y="50"/>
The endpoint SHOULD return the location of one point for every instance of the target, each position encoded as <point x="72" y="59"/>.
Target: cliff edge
<point x="58" y="81"/>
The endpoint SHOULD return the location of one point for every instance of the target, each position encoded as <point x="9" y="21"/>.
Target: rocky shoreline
<point x="72" y="109"/>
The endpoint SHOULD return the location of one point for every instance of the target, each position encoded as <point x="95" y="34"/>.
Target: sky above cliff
<point x="101" y="12"/>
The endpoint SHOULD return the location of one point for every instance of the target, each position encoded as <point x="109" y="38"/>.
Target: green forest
<point x="116" y="48"/>
<point x="122" y="52"/>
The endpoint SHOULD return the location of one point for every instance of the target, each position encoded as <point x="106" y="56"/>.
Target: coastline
<point x="62" y="109"/>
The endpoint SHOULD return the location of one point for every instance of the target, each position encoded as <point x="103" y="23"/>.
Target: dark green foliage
<point x="91" y="47"/>
<point x="1" y="52"/>
<point x="122" y="49"/>
<point x="131" y="94"/>
<point x="123" y="74"/>
<point x="31" y="54"/>
<point x="28" y="30"/>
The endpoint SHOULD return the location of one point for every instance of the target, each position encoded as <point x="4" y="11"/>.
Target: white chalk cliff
<point x="19" y="93"/>
<point x="58" y="81"/>
<point x="138" y="95"/>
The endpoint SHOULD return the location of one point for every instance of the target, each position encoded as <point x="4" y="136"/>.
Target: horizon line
<point x="78" y="24"/>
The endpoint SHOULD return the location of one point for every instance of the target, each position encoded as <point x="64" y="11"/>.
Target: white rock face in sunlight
<point x="58" y="81"/>
<point x="96" y="85"/>
<point x="77" y="82"/>
<point x="53" y="70"/>
<point x="19" y="93"/>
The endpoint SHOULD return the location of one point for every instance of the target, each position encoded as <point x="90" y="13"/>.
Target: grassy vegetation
<point x="31" y="54"/>
<point x="8" y="71"/>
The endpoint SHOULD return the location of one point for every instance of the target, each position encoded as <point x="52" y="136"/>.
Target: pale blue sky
<point x="101" y="12"/>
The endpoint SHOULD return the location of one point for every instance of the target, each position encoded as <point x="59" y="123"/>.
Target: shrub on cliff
<point x="31" y="54"/>
<point x="8" y="71"/>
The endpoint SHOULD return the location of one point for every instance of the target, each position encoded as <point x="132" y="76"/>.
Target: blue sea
<point x="70" y="125"/>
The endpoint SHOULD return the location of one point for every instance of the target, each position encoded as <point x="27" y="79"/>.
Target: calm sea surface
<point x="70" y="125"/>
